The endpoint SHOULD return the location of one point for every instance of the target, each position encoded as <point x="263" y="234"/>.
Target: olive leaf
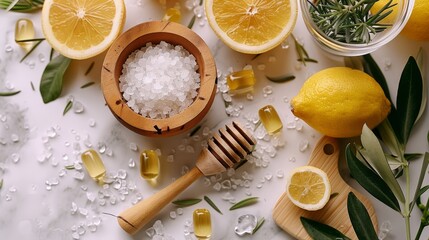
<point x="378" y="161"/>
<point x="259" y="224"/>
<point x="212" y="204"/>
<point x="372" y="69"/>
<point x="420" y="63"/>
<point x="408" y="101"/>
<point x="360" y="218"/>
<point x="370" y="181"/>
<point x="186" y="202"/>
<point x="389" y="138"/>
<point x="244" y="203"/>
<point x="321" y="231"/>
<point x="51" y="84"/>
<point x="423" y="169"/>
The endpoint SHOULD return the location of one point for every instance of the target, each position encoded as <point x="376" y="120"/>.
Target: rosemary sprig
<point x="212" y="204"/>
<point x="281" y="79"/>
<point x="244" y="203"/>
<point x="68" y="106"/>
<point x="302" y="53"/>
<point x="192" y="22"/>
<point x="37" y="40"/>
<point x="89" y="68"/>
<point x="1" y="183"/>
<point x="51" y="54"/>
<point x="87" y="84"/>
<point x="349" y="21"/>
<point x="186" y="202"/>
<point x="21" y="5"/>
<point x="32" y="86"/>
<point x="8" y="94"/>
<point x="69" y="167"/>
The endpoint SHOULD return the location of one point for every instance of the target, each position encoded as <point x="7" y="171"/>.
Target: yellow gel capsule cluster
<point x="270" y="119"/>
<point x="202" y="224"/>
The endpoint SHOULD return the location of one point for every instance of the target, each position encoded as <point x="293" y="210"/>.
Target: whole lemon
<point x="417" y="26"/>
<point x="338" y="101"/>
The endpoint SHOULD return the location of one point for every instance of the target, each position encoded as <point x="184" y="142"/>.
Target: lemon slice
<point x="81" y="29"/>
<point x="252" y="26"/>
<point x="308" y="188"/>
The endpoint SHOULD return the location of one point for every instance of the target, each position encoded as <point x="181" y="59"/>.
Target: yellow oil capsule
<point x="24" y="30"/>
<point x="172" y="15"/>
<point x="202" y="224"/>
<point x="149" y="165"/>
<point x="270" y="119"/>
<point x="93" y="164"/>
<point x="241" y="81"/>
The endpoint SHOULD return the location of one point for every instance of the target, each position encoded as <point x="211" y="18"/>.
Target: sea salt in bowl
<point x="141" y="119"/>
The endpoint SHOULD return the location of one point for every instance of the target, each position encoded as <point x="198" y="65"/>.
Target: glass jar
<point x="404" y="9"/>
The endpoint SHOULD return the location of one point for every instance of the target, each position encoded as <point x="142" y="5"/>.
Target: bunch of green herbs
<point x="381" y="158"/>
<point x="21" y="5"/>
<point x="349" y="21"/>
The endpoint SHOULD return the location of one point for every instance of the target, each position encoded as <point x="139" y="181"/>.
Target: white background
<point x="35" y="213"/>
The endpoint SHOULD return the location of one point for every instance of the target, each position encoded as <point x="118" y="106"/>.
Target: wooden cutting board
<point x="287" y="215"/>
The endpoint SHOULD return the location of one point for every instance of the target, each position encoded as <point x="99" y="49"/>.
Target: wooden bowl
<point x="136" y="38"/>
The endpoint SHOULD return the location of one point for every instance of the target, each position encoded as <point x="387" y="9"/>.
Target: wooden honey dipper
<point x="226" y="149"/>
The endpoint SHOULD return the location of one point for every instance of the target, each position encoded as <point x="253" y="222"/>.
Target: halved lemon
<point x="81" y="29"/>
<point x="252" y="26"/>
<point x="308" y="188"/>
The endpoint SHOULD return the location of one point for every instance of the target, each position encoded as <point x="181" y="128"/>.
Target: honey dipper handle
<point x="135" y="217"/>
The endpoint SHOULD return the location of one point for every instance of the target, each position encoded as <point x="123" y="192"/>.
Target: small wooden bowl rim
<point x="134" y="39"/>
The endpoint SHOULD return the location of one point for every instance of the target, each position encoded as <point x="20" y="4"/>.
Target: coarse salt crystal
<point x="159" y="81"/>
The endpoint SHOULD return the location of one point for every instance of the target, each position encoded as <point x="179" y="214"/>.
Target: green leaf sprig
<point x="1" y="183"/>
<point x="349" y="21"/>
<point x="21" y="5"/>
<point x="186" y="202"/>
<point x="259" y="224"/>
<point x="244" y="203"/>
<point x="51" y="84"/>
<point x="212" y="204"/>
<point x="371" y="165"/>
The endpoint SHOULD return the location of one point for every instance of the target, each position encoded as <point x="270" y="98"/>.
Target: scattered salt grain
<point x="159" y="81"/>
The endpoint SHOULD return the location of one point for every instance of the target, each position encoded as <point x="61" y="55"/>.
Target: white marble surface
<point x="28" y="210"/>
